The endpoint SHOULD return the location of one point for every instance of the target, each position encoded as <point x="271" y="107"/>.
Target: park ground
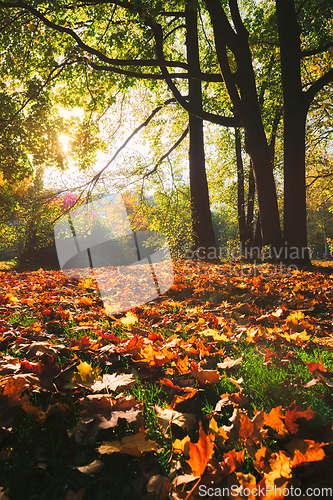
<point x="224" y="381"/>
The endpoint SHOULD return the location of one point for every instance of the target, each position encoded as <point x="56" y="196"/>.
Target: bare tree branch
<point x="166" y="155"/>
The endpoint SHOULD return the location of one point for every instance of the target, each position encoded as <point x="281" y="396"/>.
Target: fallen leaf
<point x="129" y="319"/>
<point x="215" y="334"/>
<point x="206" y="376"/>
<point x="75" y="496"/>
<point x="131" y="445"/>
<point x="113" y="382"/>
<point x="166" y="417"/>
<point x="159" y="486"/>
<point x="93" y="468"/>
<point x="182" y="446"/>
<point x="230" y="363"/>
<point x="201" y="452"/>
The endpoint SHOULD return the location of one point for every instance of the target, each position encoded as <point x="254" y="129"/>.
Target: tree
<point x="296" y="105"/>
<point x="151" y="38"/>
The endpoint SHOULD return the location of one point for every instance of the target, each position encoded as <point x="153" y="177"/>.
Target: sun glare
<point x="64" y="140"/>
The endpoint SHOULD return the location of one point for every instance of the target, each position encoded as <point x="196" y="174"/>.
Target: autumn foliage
<point x="59" y="349"/>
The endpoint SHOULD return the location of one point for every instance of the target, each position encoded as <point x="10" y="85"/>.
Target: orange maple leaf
<point x="294" y="413"/>
<point x="200" y="452"/>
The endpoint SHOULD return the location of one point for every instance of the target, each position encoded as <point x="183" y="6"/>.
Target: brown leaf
<point x="206" y="376"/>
<point x="2" y="494"/>
<point x="113" y="382"/>
<point x="93" y="468"/>
<point x="131" y="445"/>
<point x="201" y="452"/>
<point x="166" y="417"/>
<point x="75" y="496"/>
<point x="230" y="363"/>
<point x="305" y="450"/>
<point x="14" y="388"/>
<point x="159" y="486"/>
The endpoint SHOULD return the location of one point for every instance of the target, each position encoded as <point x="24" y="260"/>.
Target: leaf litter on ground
<point x="170" y="384"/>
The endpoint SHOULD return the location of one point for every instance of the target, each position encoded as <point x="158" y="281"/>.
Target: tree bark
<point x="204" y="237"/>
<point x="295" y="111"/>
<point x="240" y="189"/>
<point x="242" y="90"/>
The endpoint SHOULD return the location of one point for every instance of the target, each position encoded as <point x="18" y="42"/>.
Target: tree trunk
<point x="240" y="190"/>
<point x="295" y="111"/>
<point x="250" y="207"/>
<point x="201" y="215"/>
<point x="242" y="90"/>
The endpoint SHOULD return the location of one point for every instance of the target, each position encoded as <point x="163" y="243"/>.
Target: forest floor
<point x="221" y="387"/>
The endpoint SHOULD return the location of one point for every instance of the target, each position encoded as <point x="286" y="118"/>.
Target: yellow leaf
<point x="215" y="334"/>
<point x="129" y="319"/>
<point x="182" y="446"/>
<point x="219" y="433"/>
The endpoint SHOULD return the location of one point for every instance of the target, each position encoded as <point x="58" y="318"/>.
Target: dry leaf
<point x="166" y="417"/>
<point x="182" y="446"/>
<point x="201" y="452"/>
<point x="75" y="496"/>
<point x="93" y="468"/>
<point x="113" y="382"/>
<point x="159" y="486"/>
<point x="129" y="319"/>
<point x="130" y="445"/>
<point x="206" y="376"/>
<point x="215" y="334"/>
<point x="230" y="363"/>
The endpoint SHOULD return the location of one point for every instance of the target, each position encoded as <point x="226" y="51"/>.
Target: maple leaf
<point x="85" y="376"/>
<point x="206" y="376"/>
<point x="166" y="417"/>
<point x="236" y="398"/>
<point x="219" y="432"/>
<point x="130" y="445"/>
<point x="113" y="382"/>
<point x="294" y="413"/>
<point x="274" y="419"/>
<point x="230" y="363"/>
<point x="183" y="365"/>
<point x="316" y="366"/>
<point x="200" y="452"/>
<point x="93" y="468"/>
<point x="159" y="486"/>
<point x="85" y="301"/>
<point x="14" y="388"/>
<point x="305" y="450"/>
<point x="182" y="446"/>
<point x="75" y="496"/>
<point x="215" y="334"/>
<point x="129" y="319"/>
